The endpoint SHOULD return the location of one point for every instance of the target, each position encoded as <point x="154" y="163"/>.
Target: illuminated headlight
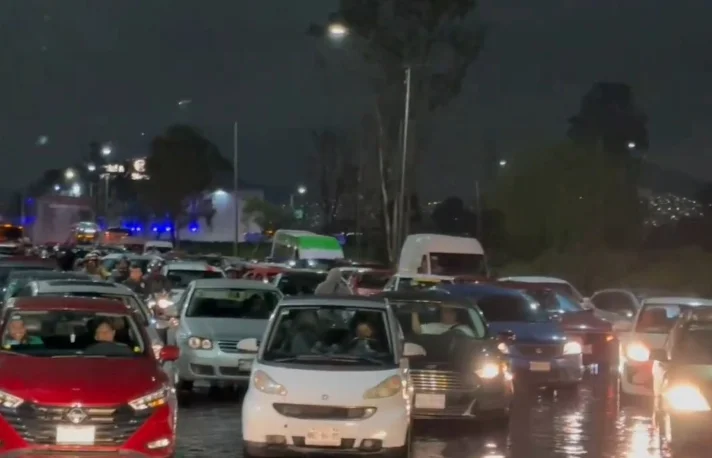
<point x="151" y="400"/>
<point x="387" y="388"/>
<point x="636" y="351"/>
<point x="503" y="347"/>
<point x="267" y="385"/>
<point x="488" y="371"/>
<point x="572" y="348"/>
<point x="10" y="401"/>
<point x="199" y="343"/>
<point x="686" y="398"/>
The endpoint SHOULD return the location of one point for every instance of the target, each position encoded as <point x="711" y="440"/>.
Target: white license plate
<point x="429" y="401"/>
<point x="323" y="438"/>
<point x="75" y="435"/>
<point x="539" y="366"/>
<point x="587" y="349"/>
<point x="244" y="365"/>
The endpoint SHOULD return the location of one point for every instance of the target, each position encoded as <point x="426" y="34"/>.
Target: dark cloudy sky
<point x="76" y="70"/>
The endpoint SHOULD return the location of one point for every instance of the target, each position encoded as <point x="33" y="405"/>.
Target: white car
<point x="181" y="273"/>
<point x="648" y="331"/>
<point x="346" y="389"/>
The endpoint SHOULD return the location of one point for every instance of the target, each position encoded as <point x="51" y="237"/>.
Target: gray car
<point x="213" y="316"/>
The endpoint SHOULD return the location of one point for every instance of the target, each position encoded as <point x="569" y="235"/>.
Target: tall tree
<point x="181" y="167"/>
<point x="437" y="41"/>
<point x="610" y="118"/>
<point x="451" y="217"/>
<point x="267" y="216"/>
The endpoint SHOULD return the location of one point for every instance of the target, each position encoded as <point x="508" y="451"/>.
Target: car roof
<point x="79" y="304"/>
<point x="69" y="285"/>
<point x="219" y="283"/>
<point x="422" y="296"/>
<point x="533" y="279"/>
<point x="190" y="265"/>
<point x="479" y="290"/>
<point x="333" y="301"/>
<point x="49" y="274"/>
<point x="672" y="300"/>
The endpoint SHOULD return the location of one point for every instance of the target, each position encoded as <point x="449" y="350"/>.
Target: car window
<point x="508" y="307"/>
<point x="181" y="278"/>
<point x="372" y="280"/>
<point x="131" y="301"/>
<point x="466" y="322"/>
<point x="256" y="304"/>
<point x="299" y="284"/>
<point x="72" y="333"/>
<point x="658" y="319"/>
<point x="616" y="302"/>
<point x="333" y="336"/>
<point x="694" y="346"/>
<point x="568" y="304"/>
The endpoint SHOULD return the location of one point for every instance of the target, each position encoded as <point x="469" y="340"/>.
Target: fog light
<point x="160" y="443"/>
<point x="371" y="444"/>
<point x="275" y="439"/>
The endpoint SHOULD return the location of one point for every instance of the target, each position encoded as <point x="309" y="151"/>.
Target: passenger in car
<point x="105" y="331"/>
<point x="17" y="333"/>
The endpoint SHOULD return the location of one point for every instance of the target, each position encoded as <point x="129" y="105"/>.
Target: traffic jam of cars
<point x="330" y="355"/>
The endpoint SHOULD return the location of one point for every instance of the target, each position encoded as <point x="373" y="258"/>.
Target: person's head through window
<point x="105" y="331"/>
<point x="136" y="274"/>
<point x="435" y="267"/>
<point x="91" y="262"/>
<point x="16" y="330"/>
<point x="448" y="316"/>
<point x="364" y="330"/>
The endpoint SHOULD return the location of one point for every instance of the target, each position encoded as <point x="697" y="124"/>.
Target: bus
<point x="11" y="233"/>
<point x="84" y="233"/>
<point x="293" y="245"/>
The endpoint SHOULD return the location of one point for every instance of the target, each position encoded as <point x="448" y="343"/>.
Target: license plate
<point x="587" y="349"/>
<point x="75" y="435"/>
<point x="539" y="366"/>
<point x="323" y="438"/>
<point x="244" y="365"/>
<point x="429" y="401"/>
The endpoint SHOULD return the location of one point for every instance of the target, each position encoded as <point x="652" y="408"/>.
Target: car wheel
<point x="183" y="385"/>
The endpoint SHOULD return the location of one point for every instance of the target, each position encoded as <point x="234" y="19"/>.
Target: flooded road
<point x="584" y="423"/>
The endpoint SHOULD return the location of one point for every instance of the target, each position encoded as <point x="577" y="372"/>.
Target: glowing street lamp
<point x="91" y="168"/>
<point x="106" y="150"/>
<point x="57" y="187"/>
<point x="69" y="174"/>
<point x="503" y="163"/>
<point x="631" y="145"/>
<point x="337" y="30"/>
<point x="301" y="190"/>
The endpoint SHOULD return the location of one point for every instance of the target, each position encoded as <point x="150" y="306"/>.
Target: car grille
<point x="433" y="380"/>
<point x="228" y="346"/>
<point x="321" y="412"/>
<point x="37" y="424"/>
<point x="539" y="351"/>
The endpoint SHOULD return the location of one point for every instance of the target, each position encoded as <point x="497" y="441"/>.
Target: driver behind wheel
<point x="448" y="320"/>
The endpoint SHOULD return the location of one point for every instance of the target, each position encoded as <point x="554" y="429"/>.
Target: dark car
<point x="682" y="382"/>
<point x="540" y="352"/>
<point x="463" y="374"/>
<point x="595" y="334"/>
<point x="8" y="265"/>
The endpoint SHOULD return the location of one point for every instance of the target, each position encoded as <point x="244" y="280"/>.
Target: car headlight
<point x="487" y="371"/>
<point x="572" y="348"/>
<point x="199" y="343"/>
<point x="151" y="400"/>
<point x="685" y="398"/>
<point x="10" y="401"/>
<point x="267" y="385"/>
<point x="636" y="351"/>
<point x="387" y="388"/>
<point x="503" y="347"/>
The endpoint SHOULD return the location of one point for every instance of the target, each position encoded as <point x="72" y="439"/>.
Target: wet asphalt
<point x="587" y="422"/>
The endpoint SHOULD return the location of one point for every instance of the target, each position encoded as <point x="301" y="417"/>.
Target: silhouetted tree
<point x="335" y="170"/>
<point x="451" y="217"/>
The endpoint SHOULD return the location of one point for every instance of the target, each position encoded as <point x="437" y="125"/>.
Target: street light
<point x="301" y="190"/>
<point x="503" y="163"/>
<point x="91" y="167"/>
<point x="69" y="174"/>
<point x="57" y="187"/>
<point x="631" y="145"/>
<point x="106" y="150"/>
<point x="337" y="30"/>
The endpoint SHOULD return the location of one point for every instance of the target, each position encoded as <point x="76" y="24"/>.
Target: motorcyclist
<point x="135" y="281"/>
<point x="121" y="272"/>
<point x="93" y="267"/>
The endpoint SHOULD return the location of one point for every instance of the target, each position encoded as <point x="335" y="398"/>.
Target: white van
<point x="348" y="390"/>
<point x="442" y="255"/>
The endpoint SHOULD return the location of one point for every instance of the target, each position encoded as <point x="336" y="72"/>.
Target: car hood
<point x="225" y="328"/>
<point x="97" y="381"/>
<point x="451" y="352"/>
<point x="543" y="332"/>
<point x="584" y="321"/>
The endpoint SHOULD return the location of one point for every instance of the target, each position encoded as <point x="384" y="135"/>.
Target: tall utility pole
<point x="236" y="241"/>
<point x="404" y="161"/>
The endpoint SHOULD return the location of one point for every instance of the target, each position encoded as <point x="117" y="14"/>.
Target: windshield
<point x="299" y="284"/>
<point x="658" y="319"/>
<point x="694" y="346"/>
<point x="554" y="302"/>
<point x="373" y="280"/>
<point x="181" y="278"/>
<point x="560" y="287"/>
<point x="109" y="264"/>
<point x="417" y="284"/>
<point x="330" y="335"/>
<point x="159" y="249"/>
<point x="454" y="264"/>
<point x="72" y="333"/>
<point x="507" y="307"/>
<point x="253" y="304"/>
<point x="428" y="317"/>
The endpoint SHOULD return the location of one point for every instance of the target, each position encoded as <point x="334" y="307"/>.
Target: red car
<point x="80" y="377"/>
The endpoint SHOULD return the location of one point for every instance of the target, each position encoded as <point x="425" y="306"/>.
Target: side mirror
<point x="622" y="326"/>
<point x="411" y="349"/>
<point x="248" y="345"/>
<point x="658" y="355"/>
<point x="506" y="336"/>
<point x="169" y="353"/>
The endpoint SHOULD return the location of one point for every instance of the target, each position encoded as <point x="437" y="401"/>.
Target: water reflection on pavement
<point x="585" y="422"/>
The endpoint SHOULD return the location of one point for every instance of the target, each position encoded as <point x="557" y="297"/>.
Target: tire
<point x="184" y="386"/>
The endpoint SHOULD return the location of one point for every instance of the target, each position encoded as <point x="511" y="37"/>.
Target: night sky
<point x="114" y="70"/>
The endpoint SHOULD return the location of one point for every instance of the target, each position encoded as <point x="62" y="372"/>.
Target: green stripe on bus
<point x="318" y="242"/>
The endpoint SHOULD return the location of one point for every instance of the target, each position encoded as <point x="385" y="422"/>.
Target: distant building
<point x="222" y="224"/>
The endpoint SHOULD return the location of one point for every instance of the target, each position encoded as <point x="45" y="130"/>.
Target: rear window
<point x="502" y="307"/>
<point x="232" y="303"/>
<point x="375" y="280"/>
<point x="299" y="284"/>
<point x="181" y="278"/>
<point x="658" y="319"/>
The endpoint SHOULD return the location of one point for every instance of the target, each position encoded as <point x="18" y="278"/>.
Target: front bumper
<point x="598" y="347"/>
<point x="154" y="438"/>
<point x="261" y="423"/>
<point x="557" y="371"/>
<point x="488" y="400"/>
<point x="214" y="365"/>
<point x="636" y="378"/>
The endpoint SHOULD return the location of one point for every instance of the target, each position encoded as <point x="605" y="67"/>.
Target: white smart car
<point x="648" y="331"/>
<point x="331" y="376"/>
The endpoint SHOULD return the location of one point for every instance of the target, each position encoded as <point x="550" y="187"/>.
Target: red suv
<point x="79" y="376"/>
